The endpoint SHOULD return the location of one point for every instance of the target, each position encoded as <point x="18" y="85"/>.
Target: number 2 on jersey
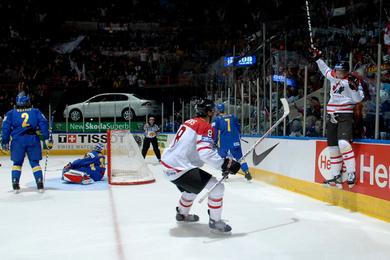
<point x="25" y="116"/>
<point x="228" y="124"/>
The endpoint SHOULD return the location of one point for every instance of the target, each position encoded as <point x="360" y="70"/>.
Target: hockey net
<point x="126" y="166"/>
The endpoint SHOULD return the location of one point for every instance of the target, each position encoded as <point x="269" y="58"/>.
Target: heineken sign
<point x="96" y="127"/>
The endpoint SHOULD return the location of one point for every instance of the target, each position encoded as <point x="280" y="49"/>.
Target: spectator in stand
<point x="313" y="108"/>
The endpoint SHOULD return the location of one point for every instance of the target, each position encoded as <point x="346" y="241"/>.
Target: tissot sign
<point x="372" y="168"/>
<point x="81" y="138"/>
<point x="84" y="141"/>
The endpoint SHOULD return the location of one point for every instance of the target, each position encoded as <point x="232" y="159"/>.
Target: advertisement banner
<point x="93" y="127"/>
<point x="372" y="168"/>
<point x="86" y="141"/>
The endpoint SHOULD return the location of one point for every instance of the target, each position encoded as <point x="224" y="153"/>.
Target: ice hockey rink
<point x="138" y="222"/>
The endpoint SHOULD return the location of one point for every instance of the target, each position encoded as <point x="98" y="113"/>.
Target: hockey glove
<point x="230" y="166"/>
<point x="353" y="82"/>
<point x="5" y="146"/>
<point x="315" y="53"/>
<point x="49" y="144"/>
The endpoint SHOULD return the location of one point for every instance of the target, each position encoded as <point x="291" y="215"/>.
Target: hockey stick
<point x="47" y="149"/>
<point x="286" y="111"/>
<point x="245" y="141"/>
<point x="309" y="24"/>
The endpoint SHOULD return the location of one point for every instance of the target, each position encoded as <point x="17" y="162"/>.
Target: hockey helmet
<point x="221" y="107"/>
<point x="342" y="65"/>
<point x="22" y="100"/>
<point x="203" y="106"/>
<point x="98" y="148"/>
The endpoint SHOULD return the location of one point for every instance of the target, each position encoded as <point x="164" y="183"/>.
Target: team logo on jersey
<point x="258" y="158"/>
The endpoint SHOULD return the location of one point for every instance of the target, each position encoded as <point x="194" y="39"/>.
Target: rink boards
<point x="299" y="165"/>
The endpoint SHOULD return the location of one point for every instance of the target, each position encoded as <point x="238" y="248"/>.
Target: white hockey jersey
<point x="191" y="148"/>
<point x="342" y="97"/>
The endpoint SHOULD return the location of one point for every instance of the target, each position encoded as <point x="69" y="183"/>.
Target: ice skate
<point x="186" y="218"/>
<point x="248" y="176"/>
<point x="334" y="182"/>
<point x="351" y="180"/>
<point x="219" y="227"/>
<point x="16" y="188"/>
<point x="40" y="187"/>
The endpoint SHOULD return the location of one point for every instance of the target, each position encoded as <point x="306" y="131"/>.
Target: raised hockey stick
<point x="286" y="111"/>
<point x="309" y="24"/>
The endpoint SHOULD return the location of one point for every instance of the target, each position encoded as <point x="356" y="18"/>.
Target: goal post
<point x="125" y="164"/>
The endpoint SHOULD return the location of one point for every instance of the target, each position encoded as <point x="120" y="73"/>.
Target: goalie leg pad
<point x="75" y="176"/>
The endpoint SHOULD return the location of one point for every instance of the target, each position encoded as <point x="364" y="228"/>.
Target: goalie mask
<point x="204" y="106"/>
<point x="98" y="148"/>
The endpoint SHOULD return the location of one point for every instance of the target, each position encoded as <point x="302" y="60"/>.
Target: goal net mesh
<point x="126" y="166"/>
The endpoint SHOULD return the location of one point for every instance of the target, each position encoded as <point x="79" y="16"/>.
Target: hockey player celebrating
<point x="190" y="149"/>
<point x="345" y="92"/>
<point x="227" y="136"/>
<point x="87" y="170"/>
<point x="21" y="125"/>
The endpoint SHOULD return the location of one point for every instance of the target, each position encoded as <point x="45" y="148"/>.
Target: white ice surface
<point x="138" y="222"/>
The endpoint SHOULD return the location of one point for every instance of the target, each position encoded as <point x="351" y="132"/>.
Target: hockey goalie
<point x="87" y="170"/>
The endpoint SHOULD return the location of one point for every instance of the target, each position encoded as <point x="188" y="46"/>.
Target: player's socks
<point x="186" y="218"/>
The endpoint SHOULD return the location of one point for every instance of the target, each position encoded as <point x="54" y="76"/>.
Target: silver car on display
<point x="122" y="105"/>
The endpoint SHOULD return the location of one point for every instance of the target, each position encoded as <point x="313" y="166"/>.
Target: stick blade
<point x="286" y="107"/>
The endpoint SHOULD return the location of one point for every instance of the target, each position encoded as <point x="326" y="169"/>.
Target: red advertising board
<point x="372" y="168"/>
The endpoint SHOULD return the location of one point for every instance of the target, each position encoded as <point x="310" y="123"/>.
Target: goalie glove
<point x="230" y="166"/>
<point x="49" y="144"/>
<point x="353" y="82"/>
<point x="315" y="53"/>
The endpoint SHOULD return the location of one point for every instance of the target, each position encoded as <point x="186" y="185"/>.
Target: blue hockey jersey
<point x="92" y="164"/>
<point x="227" y="131"/>
<point x="19" y="123"/>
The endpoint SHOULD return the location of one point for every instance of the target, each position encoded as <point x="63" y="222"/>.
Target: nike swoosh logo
<point x="258" y="158"/>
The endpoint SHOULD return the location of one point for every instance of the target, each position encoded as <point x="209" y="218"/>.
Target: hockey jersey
<point x="342" y="97"/>
<point x="92" y="164"/>
<point x="227" y="131"/>
<point x="191" y="148"/>
<point x="19" y="123"/>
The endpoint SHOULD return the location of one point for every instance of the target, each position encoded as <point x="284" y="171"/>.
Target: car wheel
<point x="75" y="115"/>
<point x="128" y="114"/>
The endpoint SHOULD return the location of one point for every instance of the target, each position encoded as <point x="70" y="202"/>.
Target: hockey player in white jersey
<point x="191" y="148"/>
<point x="345" y="92"/>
